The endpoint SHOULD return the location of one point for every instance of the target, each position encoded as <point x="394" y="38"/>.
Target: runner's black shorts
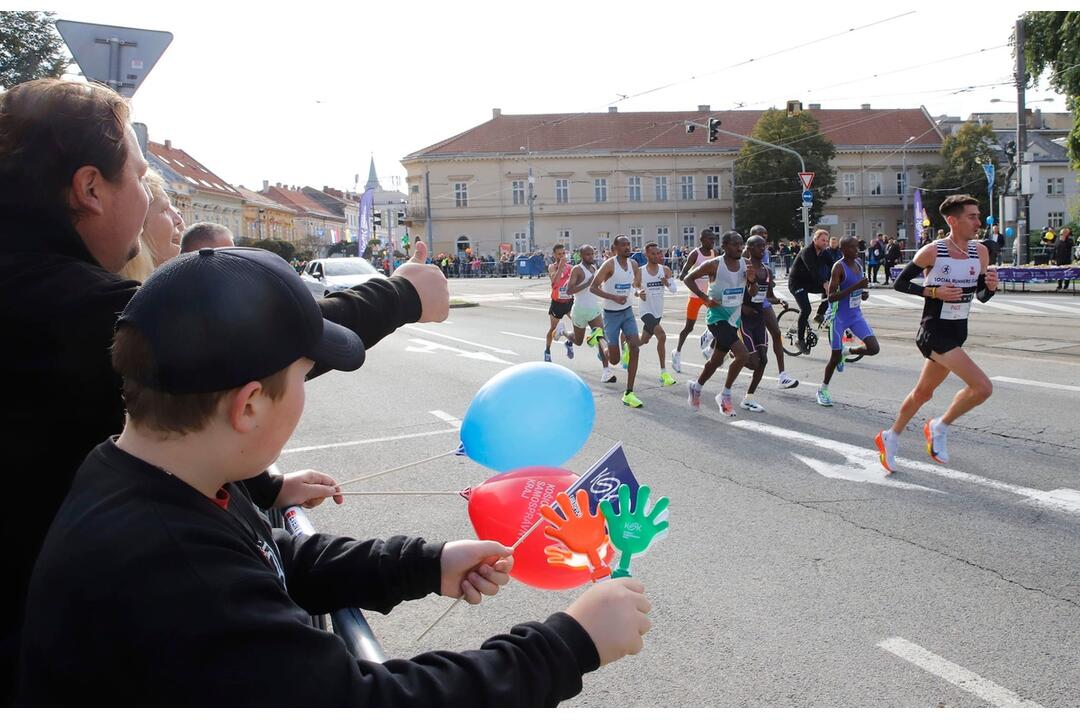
<point x="940" y="336"/>
<point x="558" y="309"/>
<point x="725" y="336"/>
<point x="649" y="321"/>
<point x="755" y="335"/>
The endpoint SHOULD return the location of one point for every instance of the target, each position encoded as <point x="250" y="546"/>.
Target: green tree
<point x="278" y="247"/>
<point x="1052" y="42"/>
<point x="30" y="47"/>
<point x="961" y="171"/>
<point x="767" y="189"/>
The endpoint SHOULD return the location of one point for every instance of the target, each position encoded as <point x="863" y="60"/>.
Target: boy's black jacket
<point x="147" y="593"/>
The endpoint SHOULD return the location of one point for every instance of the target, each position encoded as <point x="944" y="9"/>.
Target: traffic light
<point x="713" y="125"/>
<point x="400" y="217"/>
<point x="376" y="218"/>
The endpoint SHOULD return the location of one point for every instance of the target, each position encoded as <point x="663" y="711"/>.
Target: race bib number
<point x="563" y="294"/>
<point x="855" y="300"/>
<point x="956" y="311"/>
<point x="622" y="288"/>
<point x="759" y="298"/>
<point x="732" y="297"/>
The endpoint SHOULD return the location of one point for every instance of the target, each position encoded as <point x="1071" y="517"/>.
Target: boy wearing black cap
<point x="159" y="583"/>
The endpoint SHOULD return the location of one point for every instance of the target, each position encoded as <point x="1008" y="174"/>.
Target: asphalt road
<point x="795" y="573"/>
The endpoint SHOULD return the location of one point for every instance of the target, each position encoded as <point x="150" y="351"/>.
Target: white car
<point x="327" y="275"/>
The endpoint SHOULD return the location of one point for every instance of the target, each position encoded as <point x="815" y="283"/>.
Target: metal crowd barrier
<point x="348" y="623"/>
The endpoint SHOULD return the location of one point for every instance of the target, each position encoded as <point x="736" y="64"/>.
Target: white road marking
<point x="1051" y="306"/>
<point x="1060" y="499"/>
<point x="1035" y="383"/>
<point x="959" y="676"/>
<point x="446" y="417"/>
<point x="426" y="346"/>
<point x="368" y="441"/>
<point x="501" y="351"/>
<point x="1001" y="306"/>
<point x="898" y="302"/>
<point x="527" y="337"/>
<point x="860" y="470"/>
<point x="526" y="307"/>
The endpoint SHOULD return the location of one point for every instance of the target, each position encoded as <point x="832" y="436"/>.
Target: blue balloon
<point x="989" y="220"/>
<point x="533" y="414"/>
<point x="1009" y="233"/>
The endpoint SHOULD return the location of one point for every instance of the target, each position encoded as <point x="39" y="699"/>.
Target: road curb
<point x="454" y="304"/>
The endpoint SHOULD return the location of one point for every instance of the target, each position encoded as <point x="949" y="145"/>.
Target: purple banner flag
<point x="918" y="217"/>
<point x="367" y="230"/>
<point x="603" y="479"/>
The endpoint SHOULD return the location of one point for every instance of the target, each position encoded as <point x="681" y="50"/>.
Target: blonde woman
<point x="161" y="232"/>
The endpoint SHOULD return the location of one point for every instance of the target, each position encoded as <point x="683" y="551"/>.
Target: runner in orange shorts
<point x="697" y="257"/>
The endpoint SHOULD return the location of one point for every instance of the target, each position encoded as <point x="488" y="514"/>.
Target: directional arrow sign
<point x="807" y="179"/>
<point x="426" y="346"/>
<point x="860" y="471"/>
<point x="119" y="57"/>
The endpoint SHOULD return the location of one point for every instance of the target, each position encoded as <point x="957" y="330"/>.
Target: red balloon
<point x="504" y="507"/>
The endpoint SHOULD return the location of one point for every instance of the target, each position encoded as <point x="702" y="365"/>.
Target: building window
<point x="876" y="226"/>
<point x="716" y="230"/>
<point x="600" y="190"/>
<point x="517" y="190"/>
<point x="1055" y="186"/>
<point x="849" y="184"/>
<point x="712" y="187"/>
<point x="686" y="187"/>
<point x="461" y="194"/>
<point x="873" y="182"/>
<point x="661" y="189"/>
<point x="663" y="236"/>
<point x="603" y="240"/>
<point x="850" y="229"/>
<point x="633" y="189"/>
<point x="688" y="235"/>
<point x="1055" y="220"/>
<point x="637" y="235"/>
<point x="900" y="183"/>
<point x="562" y="191"/>
<point x="521" y="242"/>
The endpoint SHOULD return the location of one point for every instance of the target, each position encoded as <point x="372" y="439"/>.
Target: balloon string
<point x="395" y="469"/>
<point x="405" y="492"/>
<point x="454" y="604"/>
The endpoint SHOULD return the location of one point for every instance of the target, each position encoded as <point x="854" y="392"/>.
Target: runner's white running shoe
<point x="727" y="408"/>
<point x="676" y="361"/>
<point x="887" y="445"/>
<point x="786" y="382"/>
<point x="750" y="404"/>
<point x="935" y="432"/>
<point x="569" y="350"/>
<point x="693" y="395"/>
<point x="608" y="376"/>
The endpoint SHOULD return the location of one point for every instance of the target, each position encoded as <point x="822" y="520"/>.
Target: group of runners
<point x="735" y="285"/>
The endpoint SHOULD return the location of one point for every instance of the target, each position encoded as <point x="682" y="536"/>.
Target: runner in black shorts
<point x="954" y="269"/>
<point x="755" y="332"/>
<point x="562" y="301"/>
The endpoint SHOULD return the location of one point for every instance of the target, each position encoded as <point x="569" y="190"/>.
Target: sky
<point x="308" y="94"/>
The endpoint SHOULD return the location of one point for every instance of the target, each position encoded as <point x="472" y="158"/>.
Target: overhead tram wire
<point x="623" y="98"/>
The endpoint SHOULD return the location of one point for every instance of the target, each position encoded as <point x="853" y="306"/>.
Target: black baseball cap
<point x="219" y="318"/>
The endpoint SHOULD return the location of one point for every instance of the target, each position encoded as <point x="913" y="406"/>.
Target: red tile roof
<point x="254" y="198"/>
<point x="191" y="170"/>
<point x="300" y="203"/>
<point x="651" y="131"/>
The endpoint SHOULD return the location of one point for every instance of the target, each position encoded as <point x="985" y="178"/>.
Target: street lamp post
<point x="747" y="138"/>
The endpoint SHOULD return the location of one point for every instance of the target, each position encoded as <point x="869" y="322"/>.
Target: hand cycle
<point x="789" y="333"/>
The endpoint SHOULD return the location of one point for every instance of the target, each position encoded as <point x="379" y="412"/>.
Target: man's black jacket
<point x="58" y="308"/>
<point x="810" y="270"/>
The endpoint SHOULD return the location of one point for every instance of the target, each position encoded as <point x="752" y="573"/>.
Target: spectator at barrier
<point x="993" y="249"/>
<point x="72" y="206"/>
<point x="875" y="256"/>
<point x="892" y="258"/>
<point x="1063" y="253"/>
<point x="205" y="235"/>
<point x="160" y="237"/>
